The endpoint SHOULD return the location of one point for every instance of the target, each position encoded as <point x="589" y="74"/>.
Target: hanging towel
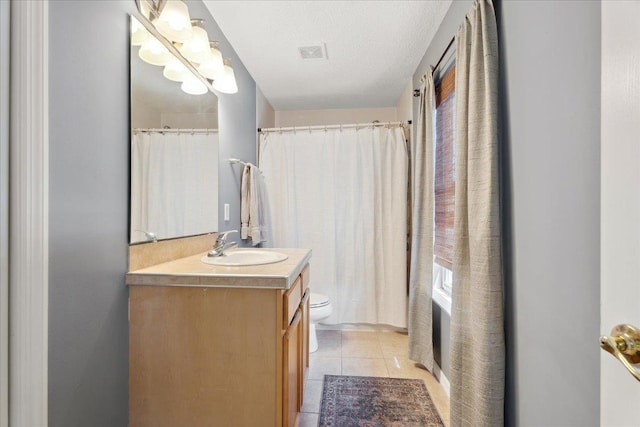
<point x="254" y="207"/>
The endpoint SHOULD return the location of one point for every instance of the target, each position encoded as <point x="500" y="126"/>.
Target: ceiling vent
<point x="317" y="51"/>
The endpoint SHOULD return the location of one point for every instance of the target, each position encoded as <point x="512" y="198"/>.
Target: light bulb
<point x="174" y="22"/>
<point x="226" y="83"/>
<point x="176" y="70"/>
<point x="193" y="86"/>
<point x="197" y="49"/>
<point x="139" y="33"/>
<point x="214" y="67"/>
<point x="154" y="52"/>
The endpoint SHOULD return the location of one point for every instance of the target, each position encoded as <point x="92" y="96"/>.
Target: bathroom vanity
<point x="216" y="345"/>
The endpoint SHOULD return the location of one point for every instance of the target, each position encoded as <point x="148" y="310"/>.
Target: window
<point x="444" y="185"/>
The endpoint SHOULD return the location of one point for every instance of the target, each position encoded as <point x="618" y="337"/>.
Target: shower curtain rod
<point x="159" y="130"/>
<point x="325" y="127"/>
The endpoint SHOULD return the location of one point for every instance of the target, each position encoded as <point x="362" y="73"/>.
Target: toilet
<point x="319" y="308"/>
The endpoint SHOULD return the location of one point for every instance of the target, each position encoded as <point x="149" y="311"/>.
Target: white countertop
<point x="191" y="271"/>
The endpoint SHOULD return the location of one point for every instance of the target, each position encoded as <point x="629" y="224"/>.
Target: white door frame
<point x="29" y="214"/>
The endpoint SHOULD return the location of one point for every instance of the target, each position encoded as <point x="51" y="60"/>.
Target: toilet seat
<point x="318" y="300"/>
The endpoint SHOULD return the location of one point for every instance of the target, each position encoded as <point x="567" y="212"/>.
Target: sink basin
<point x="240" y="257"/>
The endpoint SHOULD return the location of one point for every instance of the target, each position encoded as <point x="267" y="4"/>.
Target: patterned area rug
<point x="375" y="402"/>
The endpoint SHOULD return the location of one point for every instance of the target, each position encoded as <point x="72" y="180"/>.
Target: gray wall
<point x="88" y="202"/>
<point x="550" y="65"/>
<point x="237" y="125"/>
<point x="550" y="77"/>
<point x="89" y="196"/>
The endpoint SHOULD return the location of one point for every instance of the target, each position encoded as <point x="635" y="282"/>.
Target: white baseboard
<point x="444" y="381"/>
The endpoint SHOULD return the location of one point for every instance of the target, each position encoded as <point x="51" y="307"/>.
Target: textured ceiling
<point x="373" y="48"/>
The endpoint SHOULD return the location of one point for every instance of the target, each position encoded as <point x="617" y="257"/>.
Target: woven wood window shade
<point x="445" y="184"/>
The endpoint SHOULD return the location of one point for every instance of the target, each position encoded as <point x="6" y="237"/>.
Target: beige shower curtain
<point x="421" y="267"/>
<point x="342" y="193"/>
<point x="477" y="321"/>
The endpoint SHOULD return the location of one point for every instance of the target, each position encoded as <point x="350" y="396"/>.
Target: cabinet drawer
<point x="291" y="301"/>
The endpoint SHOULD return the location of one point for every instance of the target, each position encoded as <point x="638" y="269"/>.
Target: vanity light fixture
<point x="154" y="52"/>
<point x="226" y="83"/>
<point x="139" y="34"/>
<point x="182" y="46"/>
<point x="176" y="71"/>
<point x="214" y="67"/>
<point x="197" y="49"/>
<point x="174" y="22"/>
<point x="193" y="86"/>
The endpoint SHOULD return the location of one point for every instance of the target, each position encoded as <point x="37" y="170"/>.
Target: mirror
<point x="174" y="156"/>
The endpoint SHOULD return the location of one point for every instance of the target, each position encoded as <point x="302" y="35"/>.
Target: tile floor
<point x="364" y="353"/>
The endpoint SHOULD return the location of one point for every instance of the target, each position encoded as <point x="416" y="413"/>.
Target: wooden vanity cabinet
<point x="292" y="347"/>
<point x="304" y="306"/>
<point x="218" y="356"/>
<point x="295" y="347"/>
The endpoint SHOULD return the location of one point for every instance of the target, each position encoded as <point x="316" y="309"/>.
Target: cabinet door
<point x="304" y="356"/>
<point x="291" y="342"/>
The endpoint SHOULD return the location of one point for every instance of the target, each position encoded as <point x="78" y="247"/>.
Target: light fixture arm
<point x="155" y="7"/>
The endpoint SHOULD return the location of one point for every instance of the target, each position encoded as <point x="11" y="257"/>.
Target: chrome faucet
<point x="221" y="244"/>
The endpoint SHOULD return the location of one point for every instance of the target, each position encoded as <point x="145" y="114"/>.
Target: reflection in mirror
<point x="174" y="157"/>
<point x="166" y="30"/>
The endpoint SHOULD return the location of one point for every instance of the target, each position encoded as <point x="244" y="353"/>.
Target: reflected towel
<point x="254" y="215"/>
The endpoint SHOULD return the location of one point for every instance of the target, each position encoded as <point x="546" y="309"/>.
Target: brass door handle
<point x="624" y="344"/>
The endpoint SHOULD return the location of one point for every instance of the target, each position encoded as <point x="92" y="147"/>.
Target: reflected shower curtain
<point x="342" y="193"/>
<point x="174" y="184"/>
